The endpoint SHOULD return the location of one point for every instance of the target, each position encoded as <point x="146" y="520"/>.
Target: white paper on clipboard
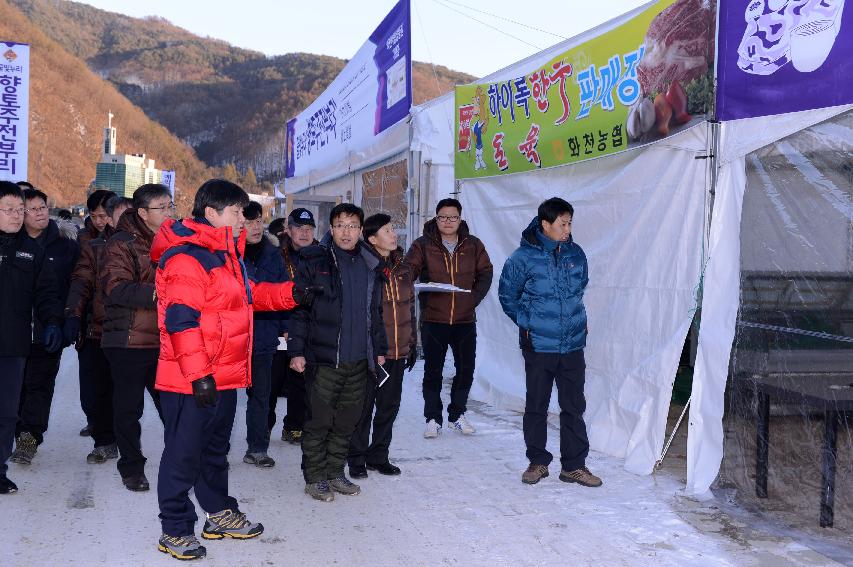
<point x="441" y="287"/>
<point x="282" y="343"/>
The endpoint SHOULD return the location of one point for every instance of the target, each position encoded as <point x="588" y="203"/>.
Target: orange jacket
<point x="205" y="303"/>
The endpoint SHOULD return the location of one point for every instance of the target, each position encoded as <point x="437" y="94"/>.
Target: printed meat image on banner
<point x="636" y="83"/>
<point x="779" y="56"/>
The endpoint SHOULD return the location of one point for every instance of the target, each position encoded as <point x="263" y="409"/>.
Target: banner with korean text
<point x="14" y="110"/>
<point x="634" y="84"/>
<point x="371" y="94"/>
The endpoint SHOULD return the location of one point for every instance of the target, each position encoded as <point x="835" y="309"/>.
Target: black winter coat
<point x="267" y="266"/>
<point x="27" y="284"/>
<point x="61" y="252"/>
<point x="315" y="332"/>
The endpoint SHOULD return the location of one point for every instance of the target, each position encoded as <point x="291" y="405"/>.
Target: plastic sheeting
<point x="639" y="217"/>
<point x="721" y="294"/>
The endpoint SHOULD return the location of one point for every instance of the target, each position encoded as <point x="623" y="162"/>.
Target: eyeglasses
<point x="346" y="226"/>
<point x="36" y="209"/>
<point x="170" y="206"/>
<point x="10" y="212"/>
<point x="452" y="218"/>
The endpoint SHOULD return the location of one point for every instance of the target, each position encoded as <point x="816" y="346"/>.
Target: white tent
<point x="644" y="218"/>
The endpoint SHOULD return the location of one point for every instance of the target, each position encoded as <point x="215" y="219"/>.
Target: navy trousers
<point x="11" y="379"/>
<point x="569" y="372"/>
<point x="195" y="455"/>
<point x="258" y="406"/>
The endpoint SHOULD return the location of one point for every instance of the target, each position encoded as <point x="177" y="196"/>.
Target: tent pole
<point x="659" y="463"/>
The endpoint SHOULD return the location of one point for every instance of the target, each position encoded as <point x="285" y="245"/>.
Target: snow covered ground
<point x="459" y="501"/>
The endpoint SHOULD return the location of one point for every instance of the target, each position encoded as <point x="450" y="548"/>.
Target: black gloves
<point x="52" y="338"/>
<point x="71" y="330"/>
<point x="204" y="390"/>
<point x="411" y="359"/>
<point x="305" y="296"/>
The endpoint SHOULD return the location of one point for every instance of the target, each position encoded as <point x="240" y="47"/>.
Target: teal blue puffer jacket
<point x="541" y="290"/>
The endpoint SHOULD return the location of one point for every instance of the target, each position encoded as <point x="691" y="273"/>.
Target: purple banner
<point x="778" y="56"/>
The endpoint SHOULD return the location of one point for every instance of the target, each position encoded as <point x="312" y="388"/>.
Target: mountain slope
<point x="228" y="103"/>
<point x="68" y="111"/>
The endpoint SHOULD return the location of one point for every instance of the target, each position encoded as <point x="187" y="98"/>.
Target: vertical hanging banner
<point x="783" y="56"/>
<point x="371" y="94"/>
<point x="634" y="84"/>
<point x="169" y="181"/>
<point x="14" y="110"/>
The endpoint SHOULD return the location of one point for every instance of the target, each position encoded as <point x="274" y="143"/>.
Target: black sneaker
<point x="99" y="455"/>
<point x="136" y="483"/>
<point x="7" y="486"/>
<point x="184" y="548"/>
<point x="383" y="468"/>
<point x="25" y="449"/>
<point x="229" y="523"/>
<point x="260" y="460"/>
<point x="358" y="471"/>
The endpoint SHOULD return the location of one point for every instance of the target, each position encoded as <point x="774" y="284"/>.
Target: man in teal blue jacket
<point x="541" y="290"/>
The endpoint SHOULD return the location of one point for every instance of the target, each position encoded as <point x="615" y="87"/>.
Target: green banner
<point x="632" y="85"/>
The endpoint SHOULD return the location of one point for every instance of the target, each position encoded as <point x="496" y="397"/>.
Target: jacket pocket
<point x="223" y="338"/>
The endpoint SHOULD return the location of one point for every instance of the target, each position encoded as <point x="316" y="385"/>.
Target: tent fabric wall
<point x="722" y="282"/>
<point x="639" y="216"/>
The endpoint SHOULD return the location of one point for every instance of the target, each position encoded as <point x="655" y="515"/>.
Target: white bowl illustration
<point x="812" y="41"/>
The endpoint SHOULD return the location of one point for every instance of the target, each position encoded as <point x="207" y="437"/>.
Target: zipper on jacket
<point x="394" y="305"/>
<point x="341" y="320"/>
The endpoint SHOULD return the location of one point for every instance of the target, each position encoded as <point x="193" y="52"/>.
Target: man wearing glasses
<point x="340" y="339"/>
<point x="59" y="242"/>
<point x="27" y="285"/>
<point x="131" y="338"/>
<point x="448" y="253"/>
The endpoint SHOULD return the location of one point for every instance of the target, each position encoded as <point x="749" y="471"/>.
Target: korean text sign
<point x="372" y="93"/>
<point x="783" y="56"/>
<point x="628" y="86"/>
<point x="14" y="110"/>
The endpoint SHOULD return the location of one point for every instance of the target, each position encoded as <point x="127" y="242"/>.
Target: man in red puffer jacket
<point x="205" y="303"/>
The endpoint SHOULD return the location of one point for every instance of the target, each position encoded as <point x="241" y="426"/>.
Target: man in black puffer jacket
<point x="27" y="284"/>
<point x="58" y="239"/>
<point x="340" y="339"/>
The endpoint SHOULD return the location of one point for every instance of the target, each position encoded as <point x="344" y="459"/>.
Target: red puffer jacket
<point x="204" y="306"/>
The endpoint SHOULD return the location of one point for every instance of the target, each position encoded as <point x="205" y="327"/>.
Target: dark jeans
<point x="292" y="384"/>
<point x="11" y="379"/>
<point x="335" y="397"/>
<point x="462" y="340"/>
<point x="195" y="455"/>
<point x="96" y="391"/>
<point x="135" y="370"/>
<point x="569" y="371"/>
<point x="258" y="406"/>
<point x="386" y="400"/>
<point x="37" y="392"/>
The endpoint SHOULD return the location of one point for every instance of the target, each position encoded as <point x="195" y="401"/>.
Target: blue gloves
<point x="52" y="338"/>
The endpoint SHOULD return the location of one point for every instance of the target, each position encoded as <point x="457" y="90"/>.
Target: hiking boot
<point x="293" y="437"/>
<point x="136" y="483"/>
<point x="7" y="486"/>
<point x="581" y="476"/>
<point x="319" y="491"/>
<point x="462" y="425"/>
<point x="86" y="432"/>
<point x="184" y="548"/>
<point x="358" y="471"/>
<point x="534" y="474"/>
<point x="382" y="468"/>
<point x="343" y="485"/>
<point x="260" y="460"/>
<point x="25" y="449"/>
<point x="99" y="455"/>
<point x="433" y="429"/>
<point x="229" y="523"/>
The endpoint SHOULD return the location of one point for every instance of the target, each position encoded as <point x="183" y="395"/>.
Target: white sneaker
<point x="462" y="425"/>
<point x="433" y="429"/>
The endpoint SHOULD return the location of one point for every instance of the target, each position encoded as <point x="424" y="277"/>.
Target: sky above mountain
<point x="473" y="36"/>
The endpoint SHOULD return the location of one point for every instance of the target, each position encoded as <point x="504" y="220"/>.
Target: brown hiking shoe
<point x="534" y="474"/>
<point x="581" y="476"/>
